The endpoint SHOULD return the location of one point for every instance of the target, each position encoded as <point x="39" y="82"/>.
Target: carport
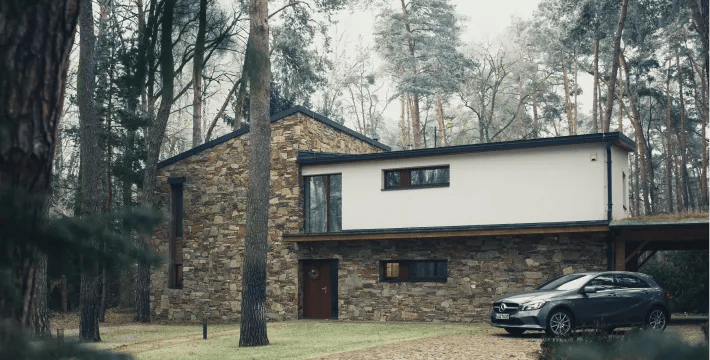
<point x="636" y="240"/>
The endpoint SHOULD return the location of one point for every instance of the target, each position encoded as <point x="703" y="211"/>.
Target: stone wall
<point x="479" y="270"/>
<point x="214" y="222"/>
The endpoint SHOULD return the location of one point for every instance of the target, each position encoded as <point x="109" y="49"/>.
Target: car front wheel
<point x="559" y="323"/>
<point x="656" y="320"/>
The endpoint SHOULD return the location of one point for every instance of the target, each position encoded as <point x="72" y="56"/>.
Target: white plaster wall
<point x="619" y="165"/>
<point x="550" y="184"/>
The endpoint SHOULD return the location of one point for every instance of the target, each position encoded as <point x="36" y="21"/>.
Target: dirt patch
<point x="496" y="345"/>
<point x="70" y="320"/>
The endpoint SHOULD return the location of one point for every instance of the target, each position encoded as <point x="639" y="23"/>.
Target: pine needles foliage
<point x="27" y="232"/>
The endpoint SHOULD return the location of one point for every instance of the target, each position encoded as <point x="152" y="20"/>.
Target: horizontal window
<point x="413" y="270"/>
<point x="417" y="177"/>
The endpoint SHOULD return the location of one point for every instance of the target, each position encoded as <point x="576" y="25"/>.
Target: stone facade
<point x="479" y="270"/>
<point x="214" y="199"/>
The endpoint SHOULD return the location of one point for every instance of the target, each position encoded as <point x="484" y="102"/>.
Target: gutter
<point x="610" y="242"/>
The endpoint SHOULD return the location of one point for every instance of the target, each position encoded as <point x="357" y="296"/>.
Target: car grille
<point x="513" y="321"/>
<point x="505" y="307"/>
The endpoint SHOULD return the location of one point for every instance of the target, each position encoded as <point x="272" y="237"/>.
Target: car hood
<point x="532" y="295"/>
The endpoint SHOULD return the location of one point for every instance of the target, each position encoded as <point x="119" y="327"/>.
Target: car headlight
<point x="534" y="305"/>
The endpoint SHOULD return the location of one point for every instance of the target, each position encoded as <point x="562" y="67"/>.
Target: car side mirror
<point x="589" y="289"/>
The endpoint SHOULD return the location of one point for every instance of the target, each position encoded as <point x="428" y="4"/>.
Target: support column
<point x="619" y="254"/>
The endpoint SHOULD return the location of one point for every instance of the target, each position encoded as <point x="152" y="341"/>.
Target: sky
<point x="484" y="18"/>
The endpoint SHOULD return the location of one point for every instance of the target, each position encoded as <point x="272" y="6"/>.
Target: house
<point x="359" y="232"/>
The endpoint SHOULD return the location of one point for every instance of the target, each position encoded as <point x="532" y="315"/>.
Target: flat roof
<point x="616" y="138"/>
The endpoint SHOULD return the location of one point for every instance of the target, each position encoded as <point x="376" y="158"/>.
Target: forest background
<point x="162" y="76"/>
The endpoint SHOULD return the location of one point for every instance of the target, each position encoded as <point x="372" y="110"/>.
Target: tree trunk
<point x="197" y="76"/>
<point x="668" y="179"/>
<point x="154" y="140"/>
<point x="440" y="121"/>
<point x="682" y="145"/>
<point x="416" y="123"/>
<point x="91" y="198"/>
<point x="614" y="66"/>
<point x="642" y="151"/>
<point x="595" y="94"/>
<point x="568" y="107"/>
<point x="575" y="122"/>
<point x="221" y="110"/>
<point x="36" y="39"/>
<point x="621" y="105"/>
<point x="704" y="142"/>
<point x="39" y="318"/>
<point x="253" y="324"/>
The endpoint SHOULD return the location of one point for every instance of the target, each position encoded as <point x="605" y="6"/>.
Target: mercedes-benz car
<point x="605" y="300"/>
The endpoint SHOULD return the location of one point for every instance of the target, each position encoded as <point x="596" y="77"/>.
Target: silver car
<point x="605" y="300"/>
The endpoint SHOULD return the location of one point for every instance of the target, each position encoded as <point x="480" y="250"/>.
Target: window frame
<point x="405" y="178"/>
<point x="406" y="265"/>
<point x="176" y="233"/>
<point x="326" y="182"/>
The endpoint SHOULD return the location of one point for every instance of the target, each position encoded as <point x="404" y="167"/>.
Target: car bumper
<point x="531" y="319"/>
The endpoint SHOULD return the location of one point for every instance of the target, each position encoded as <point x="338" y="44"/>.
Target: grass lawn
<point x="289" y="340"/>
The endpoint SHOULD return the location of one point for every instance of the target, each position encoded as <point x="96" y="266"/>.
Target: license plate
<point x="502" y="316"/>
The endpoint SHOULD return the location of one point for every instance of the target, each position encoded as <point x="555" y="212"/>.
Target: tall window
<point x="437" y="176"/>
<point x="175" y="233"/>
<point x="413" y="270"/>
<point x="624" y="190"/>
<point x="324" y="203"/>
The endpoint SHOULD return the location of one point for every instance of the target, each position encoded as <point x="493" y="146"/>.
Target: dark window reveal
<point x="175" y="234"/>
<point x="417" y="178"/>
<point x="323" y="203"/>
<point x="413" y="270"/>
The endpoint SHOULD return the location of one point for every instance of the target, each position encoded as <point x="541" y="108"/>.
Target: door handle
<point x="325" y="289"/>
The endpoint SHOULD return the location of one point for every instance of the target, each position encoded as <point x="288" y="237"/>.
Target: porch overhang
<point x="452" y="232"/>
<point x="634" y="237"/>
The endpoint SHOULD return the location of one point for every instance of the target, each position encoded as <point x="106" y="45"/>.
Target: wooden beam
<point x="670" y="234"/>
<point x="636" y="251"/>
<point x="653" y="252"/>
<point x="444" y="234"/>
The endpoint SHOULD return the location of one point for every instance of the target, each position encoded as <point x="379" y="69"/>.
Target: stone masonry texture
<point x="215" y="227"/>
<point x="479" y="269"/>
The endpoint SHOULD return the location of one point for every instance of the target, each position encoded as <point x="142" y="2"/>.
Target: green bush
<point x="685" y="275"/>
<point x="636" y="345"/>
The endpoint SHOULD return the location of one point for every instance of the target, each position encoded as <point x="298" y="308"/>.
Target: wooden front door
<point x="318" y="290"/>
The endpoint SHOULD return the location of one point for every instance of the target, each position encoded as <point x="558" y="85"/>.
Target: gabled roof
<point x="274" y="118"/>
<point x="310" y="157"/>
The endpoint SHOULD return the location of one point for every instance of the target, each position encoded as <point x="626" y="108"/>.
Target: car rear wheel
<point x="559" y="323"/>
<point x="656" y="320"/>
<point x="515" y="331"/>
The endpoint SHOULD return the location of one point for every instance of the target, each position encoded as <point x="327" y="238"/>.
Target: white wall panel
<point x="538" y="185"/>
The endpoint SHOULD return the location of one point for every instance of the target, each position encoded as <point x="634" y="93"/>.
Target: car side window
<point x="630" y="282"/>
<point x="602" y="282"/>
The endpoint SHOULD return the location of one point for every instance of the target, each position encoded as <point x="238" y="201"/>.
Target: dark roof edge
<point x="276" y="117"/>
<point x="309" y="157"/>
<point x="330" y="123"/>
<point x="459" y="228"/>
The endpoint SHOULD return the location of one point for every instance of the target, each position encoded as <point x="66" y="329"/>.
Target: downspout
<point x="610" y="241"/>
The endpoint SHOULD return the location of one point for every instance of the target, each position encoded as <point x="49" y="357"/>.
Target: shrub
<point x="636" y="345"/>
<point x="685" y="275"/>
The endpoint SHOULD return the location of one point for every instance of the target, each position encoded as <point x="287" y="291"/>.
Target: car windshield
<point x="565" y="282"/>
